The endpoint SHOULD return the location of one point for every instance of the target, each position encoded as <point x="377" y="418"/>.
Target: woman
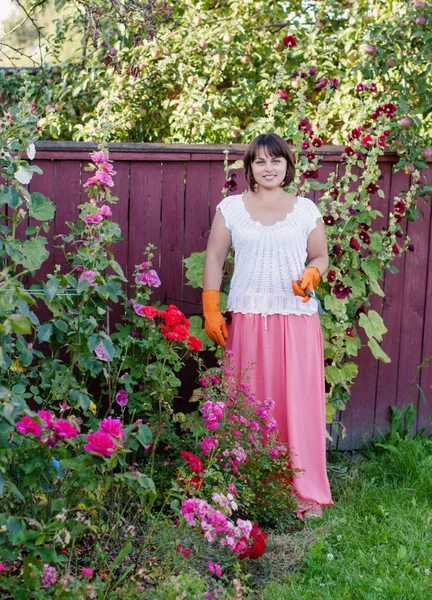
<point x="274" y="321"/>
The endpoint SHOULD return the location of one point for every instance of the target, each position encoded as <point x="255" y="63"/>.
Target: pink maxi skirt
<point x="289" y="368"/>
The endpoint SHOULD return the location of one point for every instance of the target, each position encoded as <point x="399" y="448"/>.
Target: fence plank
<point x="68" y="196"/>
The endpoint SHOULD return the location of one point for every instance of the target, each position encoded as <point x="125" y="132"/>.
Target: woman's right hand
<point x="215" y="326"/>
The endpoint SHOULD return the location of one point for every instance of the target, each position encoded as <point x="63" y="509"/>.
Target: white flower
<point x="24" y="175"/>
<point x="330" y="556"/>
<point x="31" y="151"/>
<point x="427" y="571"/>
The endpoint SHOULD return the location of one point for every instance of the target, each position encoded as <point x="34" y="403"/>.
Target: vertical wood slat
<point x="156" y="206"/>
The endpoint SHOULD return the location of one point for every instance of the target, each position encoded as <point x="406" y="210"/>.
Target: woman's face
<point x="269" y="171"/>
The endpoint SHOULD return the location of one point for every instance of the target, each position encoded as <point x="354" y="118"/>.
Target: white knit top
<point x="268" y="257"/>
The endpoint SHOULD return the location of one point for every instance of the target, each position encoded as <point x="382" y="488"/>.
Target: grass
<point x="374" y="544"/>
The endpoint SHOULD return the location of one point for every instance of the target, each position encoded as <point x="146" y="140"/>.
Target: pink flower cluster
<point x="89" y="276"/>
<point x="109" y="437"/>
<point x="105" y="170"/>
<point x="214" y="523"/>
<point x="103" y="211"/>
<point x="150" y="278"/>
<point x="52" y="430"/>
<point x="212" y="413"/>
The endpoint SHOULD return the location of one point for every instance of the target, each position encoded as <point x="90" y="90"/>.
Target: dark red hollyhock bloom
<point x="373" y="87"/>
<point x="364" y="226"/>
<point x="283" y="94"/>
<point x="390" y="109"/>
<point x="310" y="174"/>
<point x="349" y="151"/>
<point x="356" y="132"/>
<point x="322" y="83"/>
<point x="312" y="71"/>
<point x="303" y="75"/>
<point x="294" y="74"/>
<point x="411" y="247"/>
<point x="231" y="183"/>
<point x="398" y="218"/>
<point x="341" y="291"/>
<point x="395" y="249"/>
<point x="317" y="143"/>
<point x="329" y="220"/>
<point x="334" y="191"/>
<point x="365" y="237"/>
<point x="290" y="41"/>
<point x="305" y="145"/>
<point x="382" y="141"/>
<point x="359" y="87"/>
<point x="337" y="249"/>
<point x="305" y="125"/>
<point x="310" y="155"/>
<point x="354" y="244"/>
<point x="387" y="132"/>
<point x="374" y="115"/>
<point x="349" y="332"/>
<point x="399" y="233"/>
<point x="372" y="188"/>
<point x="194" y="462"/>
<point x="334" y="83"/>
<point x="331" y="276"/>
<point x="400" y="207"/>
<point x="352" y="211"/>
<point x="367" y="141"/>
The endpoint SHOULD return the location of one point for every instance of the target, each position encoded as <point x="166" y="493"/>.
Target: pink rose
<point x="29" y="425"/>
<point x="100" y="443"/>
<point x="64" y="429"/>
<point x="113" y="427"/>
<point x="122" y="398"/>
<point x="47" y="417"/>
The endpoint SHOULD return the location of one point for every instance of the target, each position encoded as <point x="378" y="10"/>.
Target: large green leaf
<point x="194" y="269"/>
<point x="349" y="371"/>
<point x="35" y="253"/>
<point x="378" y="352"/>
<point x="144" y="435"/>
<point x="20" y="324"/>
<point x="41" y="208"/>
<point x="373" y="324"/>
<point x="51" y="288"/>
<point x="372" y="267"/>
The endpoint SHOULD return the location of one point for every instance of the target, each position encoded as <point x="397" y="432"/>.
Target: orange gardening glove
<point x="215" y="326"/>
<point x="309" y="280"/>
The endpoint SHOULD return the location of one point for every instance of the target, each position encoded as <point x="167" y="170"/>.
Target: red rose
<point x="150" y="311"/>
<point x="194" y="462"/>
<point x="194" y="344"/>
<point x="173" y="318"/>
<point x="182" y="331"/>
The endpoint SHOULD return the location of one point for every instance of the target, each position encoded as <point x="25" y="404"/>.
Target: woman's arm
<point x="317" y="248"/>
<point x="218" y="245"/>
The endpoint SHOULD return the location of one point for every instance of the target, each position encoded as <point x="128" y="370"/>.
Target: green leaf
<point x="393" y="269"/>
<point x="15" y="530"/>
<point x="223" y="300"/>
<point x="20" y="324"/>
<point x="373" y="325"/>
<point x="108" y="348"/>
<point x="45" y="332"/>
<point x="117" y="268"/>
<point x="378" y="352"/>
<point x="194" y="269"/>
<point x="372" y="267"/>
<point x="349" y="371"/>
<point x="9" y="196"/>
<point x="333" y="374"/>
<point x="51" y="288"/>
<point x="82" y="286"/>
<point x="196" y="329"/>
<point x="35" y="253"/>
<point x="146" y="482"/>
<point x="330" y="412"/>
<point x="61" y="325"/>
<point x="122" y="554"/>
<point x="93" y="342"/>
<point x="144" y="435"/>
<point x="41" y="208"/>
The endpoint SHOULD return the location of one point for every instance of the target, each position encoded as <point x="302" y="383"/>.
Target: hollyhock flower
<point x="334" y="83"/>
<point x="122" y="398"/>
<point x="273" y="452"/>
<point x="331" y="276"/>
<point x="92" y="219"/>
<point x="208" y="444"/>
<point x="411" y="247"/>
<point x="100" y="443"/>
<point x="108" y="168"/>
<point x="310" y="156"/>
<point x="373" y="87"/>
<point x="149" y="278"/>
<point x="367" y="141"/>
<point x="349" y="151"/>
<point x="29" y="425"/>
<point x="341" y="291"/>
<point x="305" y="125"/>
<point x="400" y="207"/>
<point x="139" y="309"/>
<point x="290" y="41"/>
<point x="194" y="344"/>
<point x="47" y="417"/>
<point x="372" y="188"/>
<point x="99" y="157"/>
<point x="64" y="429"/>
<point x="49" y="576"/>
<point x="337" y="249"/>
<point x="390" y="109"/>
<point x="305" y="145"/>
<point x="317" y="143"/>
<point x="365" y="237"/>
<point x="310" y="174"/>
<point x="356" y="133"/>
<point x="322" y="83"/>
<point x="312" y="71"/>
<point x="105" y="211"/>
<point x="89" y="276"/>
<point x="265" y="105"/>
<point x="100" y="178"/>
<point x="194" y="462"/>
<point x="283" y="95"/>
<point x="354" y="244"/>
<point x="382" y="141"/>
<point x="396" y="249"/>
<point x="113" y="427"/>
<point x="329" y="220"/>
<point x="349" y="332"/>
<point x="359" y="87"/>
<point x="231" y="183"/>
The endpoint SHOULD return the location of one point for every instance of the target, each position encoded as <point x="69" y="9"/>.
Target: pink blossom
<point x="208" y="444"/>
<point x="149" y="278"/>
<point x="122" y="397"/>
<point x="99" y="157"/>
<point x="232" y="488"/>
<point x="112" y="426"/>
<point x="100" y="443"/>
<point x="101" y="354"/>
<point x="99" y="178"/>
<point x="49" y="576"/>
<point x="29" y="425"/>
<point x="87" y="572"/>
<point x="89" y="276"/>
<point x="108" y="168"/>
<point x="47" y="417"/>
<point x="92" y="219"/>
<point x="64" y="429"/>
<point x="105" y="211"/>
<point x="273" y="452"/>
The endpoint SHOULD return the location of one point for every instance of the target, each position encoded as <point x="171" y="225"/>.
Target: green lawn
<point x="374" y="544"/>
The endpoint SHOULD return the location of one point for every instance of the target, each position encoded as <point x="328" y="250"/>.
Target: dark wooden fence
<point x="168" y="195"/>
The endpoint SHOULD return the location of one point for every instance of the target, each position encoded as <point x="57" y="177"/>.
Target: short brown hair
<point x="275" y="146"/>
